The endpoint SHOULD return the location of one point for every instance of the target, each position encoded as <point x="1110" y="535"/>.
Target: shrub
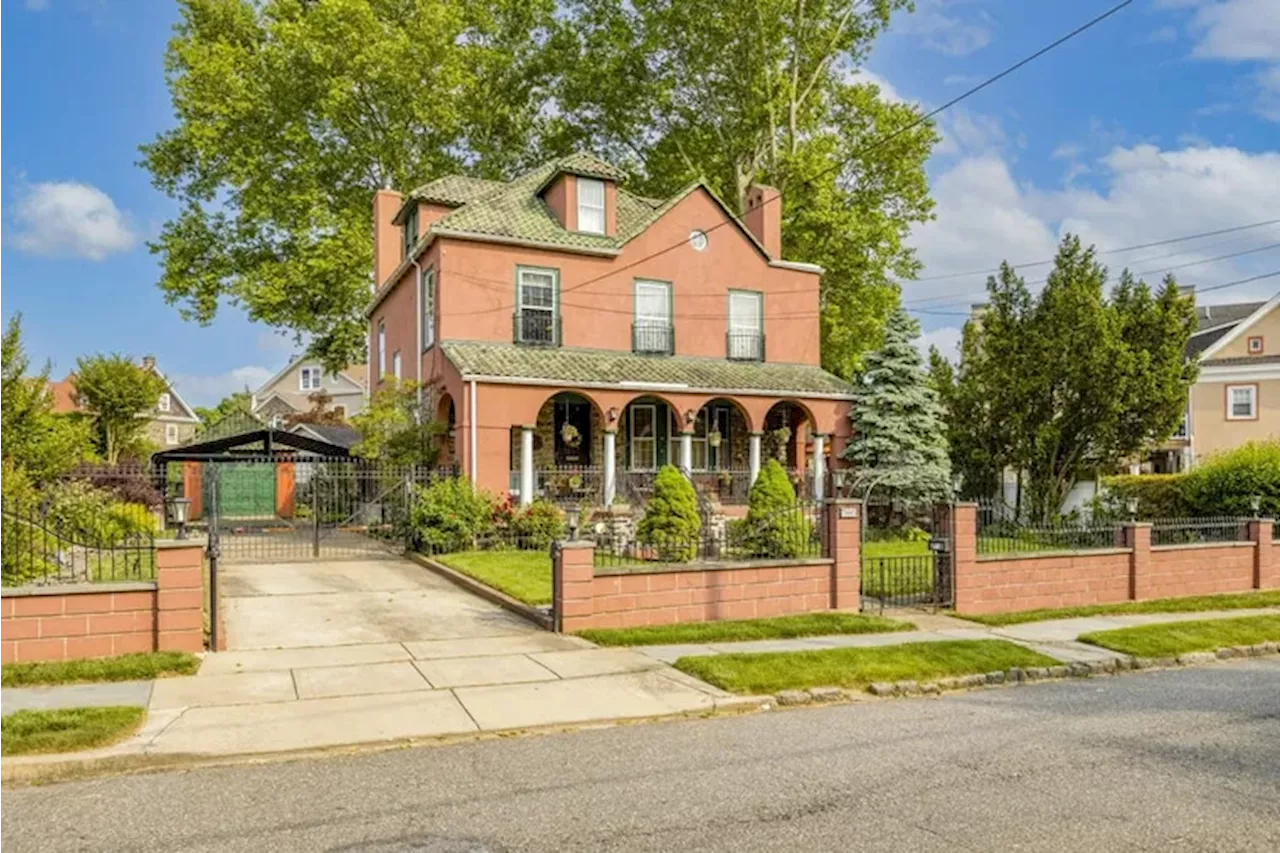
<point x="1227" y="482"/>
<point x="774" y="527"/>
<point x="537" y="525"/>
<point x="671" y="523"/>
<point x="1158" y="496"/>
<point x="449" y="514"/>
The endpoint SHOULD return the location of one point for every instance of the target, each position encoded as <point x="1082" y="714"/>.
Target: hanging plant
<point x="575" y="482"/>
<point x="713" y="438"/>
<point x="570" y="436"/>
<point x="782" y="434"/>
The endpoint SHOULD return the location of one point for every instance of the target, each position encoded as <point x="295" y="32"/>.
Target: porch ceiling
<point x="593" y="367"/>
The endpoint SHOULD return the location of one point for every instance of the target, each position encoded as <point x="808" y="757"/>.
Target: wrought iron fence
<point x="569" y="485"/>
<point x="792" y="533"/>
<point x="901" y="581"/>
<point x="1186" y="531"/>
<point x="537" y="328"/>
<point x="134" y="482"/>
<point x="40" y="547"/>
<point x="729" y="486"/>
<point x="1001" y="530"/>
<point x="744" y="346"/>
<point x="653" y="337"/>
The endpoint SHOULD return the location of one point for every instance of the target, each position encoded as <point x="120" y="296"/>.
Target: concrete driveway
<point x="350" y="602"/>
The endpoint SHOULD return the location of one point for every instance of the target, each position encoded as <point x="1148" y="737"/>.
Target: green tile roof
<point x="455" y="190"/>
<point x="559" y="365"/>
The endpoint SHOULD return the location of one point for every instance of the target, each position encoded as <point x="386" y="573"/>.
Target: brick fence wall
<point x="588" y="597"/>
<point x="97" y="620"/>
<point x="1138" y="571"/>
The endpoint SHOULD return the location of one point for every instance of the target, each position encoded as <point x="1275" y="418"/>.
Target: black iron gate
<point x="907" y="561"/>
<point x="309" y="508"/>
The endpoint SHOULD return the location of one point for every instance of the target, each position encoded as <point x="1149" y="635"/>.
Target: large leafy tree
<point x="237" y="403"/>
<point x="38" y="443"/>
<point x="761" y="91"/>
<point x="1058" y="384"/>
<point x="114" y="391"/>
<point x="291" y="113"/>
<point x="899" y="437"/>
<point x="396" y="429"/>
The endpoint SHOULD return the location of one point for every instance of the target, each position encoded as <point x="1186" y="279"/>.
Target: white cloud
<point x="887" y="91"/>
<point x="945" y="33"/>
<point x="961" y="79"/>
<point x="208" y="390"/>
<point x="964" y="131"/>
<point x="71" y="218"/>
<point x="1241" y="31"/>
<point x="1146" y="194"/>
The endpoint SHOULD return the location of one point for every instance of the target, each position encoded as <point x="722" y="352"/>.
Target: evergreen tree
<point x="671" y="522"/>
<point x="899" y="438"/>
<point x="773" y="527"/>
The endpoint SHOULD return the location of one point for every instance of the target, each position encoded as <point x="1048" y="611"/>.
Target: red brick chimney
<point x="386" y="236"/>
<point x="763" y="217"/>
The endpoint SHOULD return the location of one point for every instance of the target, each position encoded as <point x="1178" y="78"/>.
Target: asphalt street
<point x="1184" y="759"/>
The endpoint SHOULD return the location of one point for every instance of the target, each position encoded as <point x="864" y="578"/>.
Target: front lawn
<point x="1192" y="604"/>
<point x="134" y="667"/>
<point x="1174" y="638"/>
<point x="895" y="548"/>
<point x="523" y="575"/>
<point x="730" y="630"/>
<point x="67" y="729"/>
<point x="857" y="667"/>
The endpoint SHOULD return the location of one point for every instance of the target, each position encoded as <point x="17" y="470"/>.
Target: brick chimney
<point x="763" y="217"/>
<point x="386" y="236"/>
<point x="148" y="362"/>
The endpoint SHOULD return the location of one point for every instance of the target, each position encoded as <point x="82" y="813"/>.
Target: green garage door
<point x="245" y="489"/>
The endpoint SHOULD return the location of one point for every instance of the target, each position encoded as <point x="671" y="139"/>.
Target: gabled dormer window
<point x="309" y="379"/>
<point x="410" y="231"/>
<point x="591" y="205"/>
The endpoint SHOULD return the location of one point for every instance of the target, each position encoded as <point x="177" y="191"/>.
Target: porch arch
<point x="558" y="452"/>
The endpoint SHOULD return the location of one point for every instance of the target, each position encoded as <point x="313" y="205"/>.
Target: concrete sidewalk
<point x="1054" y="637"/>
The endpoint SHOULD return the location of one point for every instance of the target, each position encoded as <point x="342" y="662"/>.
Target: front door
<point x="573" y="433"/>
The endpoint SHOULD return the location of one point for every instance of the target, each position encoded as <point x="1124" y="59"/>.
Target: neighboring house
<point x="170" y="423"/>
<point x="1237" y="395"/>
<point x="571" y="332"/>
<point x="289" y="391"/>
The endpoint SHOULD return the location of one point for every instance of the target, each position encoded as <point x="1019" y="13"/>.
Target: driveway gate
<point x="906" y="570"/>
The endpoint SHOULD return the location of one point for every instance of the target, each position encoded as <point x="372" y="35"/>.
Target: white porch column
<point x="526" y="465"/>
<point x="610" y="458"/>
<point x="753" y="455"/>
<point x="686" y="452"/>
<point x="819" y="467"/>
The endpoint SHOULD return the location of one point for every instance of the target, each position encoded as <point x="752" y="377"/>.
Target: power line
<point x="882" y="140"/>
<point x="1108" y="251"/>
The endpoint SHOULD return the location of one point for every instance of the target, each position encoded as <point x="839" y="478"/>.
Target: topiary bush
<point x="774" y="525"/>
<point x="1227" y="482"/>
<point x="537" y="525"/>
<point x="671" y="523"/>
<point x="449" y="515"/>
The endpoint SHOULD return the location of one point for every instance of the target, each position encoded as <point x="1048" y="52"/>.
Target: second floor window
<point x="591" y="205"/>
<point x="163" y="404"/>
<point x="536" y="316"/>
<point x="746" y="325"/>
<point x="170" y="434"/>
<point x="382" y="349"/>
<point x="309" y="379"/>
<point x="428" y="303"/>
<point x="652" y="325"/>
<point x="1242" y="402"/>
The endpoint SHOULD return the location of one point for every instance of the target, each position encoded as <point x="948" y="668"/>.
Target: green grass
<point x="898" y="577"/>
<point x="895" y="548"/>
<point x="122" y="668"/>
<point x="856" y="667"/>
<point x="67" y="729"/>
<point x="523" y="575"/>
<point x="1194" y="604"/>
<point x="804" y="625"/>
<point x="1175" y="638"/>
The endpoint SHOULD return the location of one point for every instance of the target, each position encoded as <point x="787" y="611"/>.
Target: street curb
<point x="488" y="593"/>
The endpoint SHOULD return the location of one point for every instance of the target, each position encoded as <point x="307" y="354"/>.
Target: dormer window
<point x="591" y="205"/>
<point x="410" y="233"/>
<point x="309" y="379"/>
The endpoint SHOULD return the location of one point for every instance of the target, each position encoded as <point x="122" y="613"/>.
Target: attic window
<point x="1255" y="345"/>
<point x="163" y="404"/>
<point x="309" y="379"/>
<point x="591" y="205"/>
<point x="410" y="234"/>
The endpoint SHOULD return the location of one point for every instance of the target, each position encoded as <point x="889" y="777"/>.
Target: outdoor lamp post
<point x="1255" y="504"/>
<point x="839" y="478"/>
<point x="179" y="508"/>
<point x="572" y="515"/>
<point x="1132" y="504"/>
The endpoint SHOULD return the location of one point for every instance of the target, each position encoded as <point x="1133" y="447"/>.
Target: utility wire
<point x="882" y="140"/>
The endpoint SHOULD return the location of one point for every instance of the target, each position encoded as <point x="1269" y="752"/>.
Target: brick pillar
<point x="284" y="489"/>
<point x="965" y="578"/>
<point x="193" y="487"/>
<point x="844" y="537"/>
<point x="1137" y="537"/>
<point x="1266" y="566"/>
<point x="574" y="585"/>
<point x="180" y="595"/>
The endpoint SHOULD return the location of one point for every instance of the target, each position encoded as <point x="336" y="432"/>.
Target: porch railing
<point x="744" y="346"/>
<point x="729" y="486"/>
<point x="565" y="486"/>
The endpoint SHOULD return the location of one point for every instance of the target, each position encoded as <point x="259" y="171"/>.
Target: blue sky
<point x="1162" y="121"/>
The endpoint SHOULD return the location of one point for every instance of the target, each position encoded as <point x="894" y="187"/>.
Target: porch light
<point x="690" y="416"/>
<point x="572" y="516"/>
<point x="839" y="477"/>
<point x="1255" y="504"/>
<point x="1132" y="505"/>
<point x="179" y="509"/>
<point x="613" y="414"/>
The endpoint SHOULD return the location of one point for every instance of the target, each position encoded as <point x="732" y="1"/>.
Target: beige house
<point x="1237" y="395"/>
<point x="170" y="423"/>
<point x="289" y="392"/>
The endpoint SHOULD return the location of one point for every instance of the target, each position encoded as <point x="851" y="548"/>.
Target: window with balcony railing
<point x="537" y="317"/>
<point x="651" y="332"/>
<point x="744" y="340"/>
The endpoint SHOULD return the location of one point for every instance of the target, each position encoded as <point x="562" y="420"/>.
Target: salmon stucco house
<point x="576" y="336"/>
